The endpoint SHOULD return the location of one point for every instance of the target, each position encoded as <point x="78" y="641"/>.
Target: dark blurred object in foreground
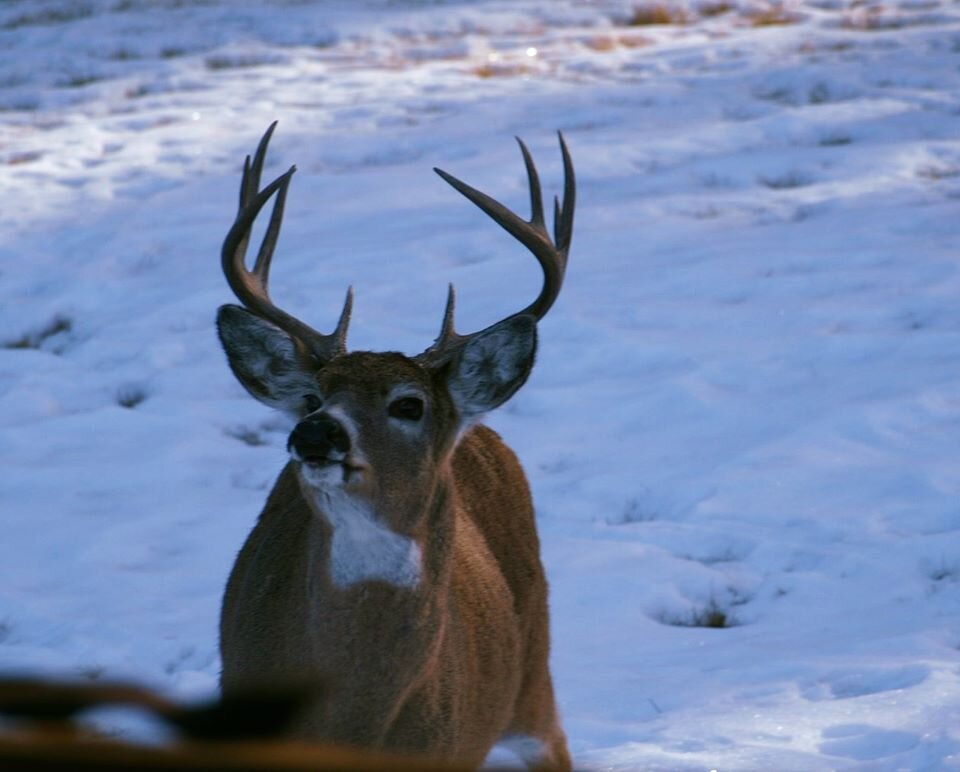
<point x="227" y="734"/>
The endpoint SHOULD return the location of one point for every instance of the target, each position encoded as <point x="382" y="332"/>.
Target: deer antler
<point x="532" y="233"/>
<point x="250" y="287"/>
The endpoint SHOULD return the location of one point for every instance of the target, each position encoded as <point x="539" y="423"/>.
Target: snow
<point x="746" y="402"/>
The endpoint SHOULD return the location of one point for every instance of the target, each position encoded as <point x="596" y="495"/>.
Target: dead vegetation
<point x="658" y="13"/>
<point x="771" y="16"/>
<point x="663" y="12"/>
<point x="502" y="70"/>
<point x="938" y="172"/>
<point x="711" y="615"/>
<point x="710" y="8"/>
<point x="605" y="43"/>
<point x="34" y="339"/>
<point x="49" y="16"/>
<point x="130" y="396"/>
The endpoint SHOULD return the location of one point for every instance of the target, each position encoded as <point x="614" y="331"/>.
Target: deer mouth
<point x="323" y="465"/>
<point x="318" y="462"/>
<point x="328" y="463"/>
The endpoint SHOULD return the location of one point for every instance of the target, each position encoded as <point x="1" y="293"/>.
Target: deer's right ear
<point x="265" y="359"/>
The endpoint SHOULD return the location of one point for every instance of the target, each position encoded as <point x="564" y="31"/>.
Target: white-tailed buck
<point x="396" y="561"/>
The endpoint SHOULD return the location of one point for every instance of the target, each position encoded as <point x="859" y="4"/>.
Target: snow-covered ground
<point x="746" y="406"/>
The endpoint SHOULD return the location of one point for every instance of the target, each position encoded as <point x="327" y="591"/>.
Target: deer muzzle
<point x="320" y="440"/>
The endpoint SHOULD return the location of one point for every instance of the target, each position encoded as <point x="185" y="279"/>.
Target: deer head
<point x="374" y="428"/>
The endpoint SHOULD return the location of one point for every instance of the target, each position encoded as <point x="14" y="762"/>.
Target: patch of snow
<point x="746" y="401"/>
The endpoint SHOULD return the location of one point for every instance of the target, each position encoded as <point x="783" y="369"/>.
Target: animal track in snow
<point x="846" y="684"/>
<point x="866" y="743"/>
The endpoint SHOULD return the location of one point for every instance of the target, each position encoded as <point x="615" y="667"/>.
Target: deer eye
<point x="407" y="408"/>
<point x="311" y="402"/>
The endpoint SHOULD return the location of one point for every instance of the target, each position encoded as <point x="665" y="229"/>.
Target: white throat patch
<point x="362" y="548"/>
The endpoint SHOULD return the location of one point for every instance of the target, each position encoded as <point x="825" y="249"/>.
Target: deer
<point x="396" y="560"/>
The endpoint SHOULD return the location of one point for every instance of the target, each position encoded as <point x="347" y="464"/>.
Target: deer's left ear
<point x="492" y="365"/>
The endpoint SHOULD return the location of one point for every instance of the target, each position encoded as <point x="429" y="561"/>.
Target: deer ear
<point x="267" y="361"/>
<point x="492" y="365"/>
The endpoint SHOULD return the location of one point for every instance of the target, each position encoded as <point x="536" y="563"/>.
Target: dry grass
<point x="938" y="172"/>
<point x="786" y="181"/>
<point x="711" y="8"/>
<point x="658" y="13"/>
<point x="130" y="396"/>
<point x="502" y="70"/>
<point x="79" y="81"/>
<point x="833" y="46"/>
<point x="233" y="62"/>
<point x="23" y="157"/>
<point x="50" y="16"/>
<point x="879" y="18"/>
<point x="634" y="41"/>
<point x="601" y="43"/>
<point x="663" y="12"/>
<point x="836" y="139"/>
<point x="606" y="43"/>
<point x="56" y="326"/>
<point x="711" y="615"/>
<point x="772" y="16"/>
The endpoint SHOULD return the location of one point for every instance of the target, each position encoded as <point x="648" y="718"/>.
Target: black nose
<point x="318" y="436"/>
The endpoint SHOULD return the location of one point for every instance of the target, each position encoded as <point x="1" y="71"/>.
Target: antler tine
<point x="250" y="287"/>
<point x="563" y="215"/>
<point x="532" y="233"/>
<point x="447" y="333"/>
<point x="250" y="181"/>
<point x="536" y="197"/>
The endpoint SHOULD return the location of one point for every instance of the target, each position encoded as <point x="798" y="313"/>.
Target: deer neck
<point x="355" y="544"/>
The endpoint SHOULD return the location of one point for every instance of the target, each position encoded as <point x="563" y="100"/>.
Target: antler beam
<point x="250" y="287"/>
<point x="532" y="233"/>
